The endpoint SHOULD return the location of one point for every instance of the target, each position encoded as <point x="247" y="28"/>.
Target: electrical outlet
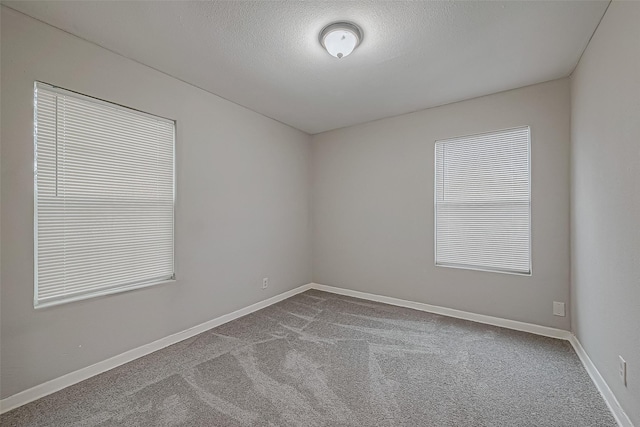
<point x="622" y="370"/>
<point x="558" y="309"/>
<point x="265" y="283"/>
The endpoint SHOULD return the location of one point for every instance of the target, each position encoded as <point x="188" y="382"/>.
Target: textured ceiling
<point x="265" y="55"/>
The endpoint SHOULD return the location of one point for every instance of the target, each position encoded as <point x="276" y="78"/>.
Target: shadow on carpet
<point x="320" y="359"/>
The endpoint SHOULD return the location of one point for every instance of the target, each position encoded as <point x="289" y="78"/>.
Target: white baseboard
<point x="450" y="312"/>
<point x="72" y="378"/>
<point x="75" y="377"/>
<point x="609" y="398"/>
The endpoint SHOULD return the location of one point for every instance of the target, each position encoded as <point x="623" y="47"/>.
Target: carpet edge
<point x="607" y="394"/>
<point x="57" y="384"/>
<point x="451" y="312"/>
<point x="610" y="400"/>
<point x="75" y="377"/>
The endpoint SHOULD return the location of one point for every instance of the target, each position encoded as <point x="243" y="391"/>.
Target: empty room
<point x="320" y="213"/>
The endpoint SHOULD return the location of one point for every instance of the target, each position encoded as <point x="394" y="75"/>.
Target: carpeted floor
<point x="319" y="359"/>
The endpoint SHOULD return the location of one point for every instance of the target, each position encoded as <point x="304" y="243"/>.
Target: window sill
<point x="39" y="305"/>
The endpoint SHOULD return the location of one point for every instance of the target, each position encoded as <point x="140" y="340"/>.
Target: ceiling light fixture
<point x="340" y="38"/>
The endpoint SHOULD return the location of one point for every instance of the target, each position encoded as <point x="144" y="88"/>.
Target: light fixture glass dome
<point x="340" y="38"/>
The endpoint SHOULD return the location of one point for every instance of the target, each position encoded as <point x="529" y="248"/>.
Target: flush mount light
<point x="340" y="38"/>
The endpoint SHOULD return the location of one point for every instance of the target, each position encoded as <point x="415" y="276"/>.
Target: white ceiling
<point x="265" y="55"/>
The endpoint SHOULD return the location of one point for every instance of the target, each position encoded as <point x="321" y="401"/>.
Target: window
<point x="104" y="197"/>
<point x="483" y="201"/>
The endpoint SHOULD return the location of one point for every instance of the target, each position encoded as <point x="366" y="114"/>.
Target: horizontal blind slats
<point x="105" y="196"/>
<point x="105" y="283"/>
<point x="482" y="201"/>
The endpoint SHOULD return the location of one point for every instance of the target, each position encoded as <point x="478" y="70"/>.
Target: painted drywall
<point x="242" y="213"/>
<point x="605" y="233"/>
<point x="373" y="206"/>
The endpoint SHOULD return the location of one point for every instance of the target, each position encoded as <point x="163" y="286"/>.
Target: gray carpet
<point x="319" y="359"/>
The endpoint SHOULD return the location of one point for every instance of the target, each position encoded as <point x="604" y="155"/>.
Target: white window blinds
<point x="104" y="199"/>
<point x="483" y="201"/>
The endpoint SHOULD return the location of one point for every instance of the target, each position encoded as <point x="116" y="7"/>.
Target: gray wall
<point x="605" y="100"/>
<point x="373" y="206"/>
<point x="243" y="208"/>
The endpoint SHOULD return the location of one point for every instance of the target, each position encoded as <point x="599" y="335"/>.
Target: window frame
<point x="113" y="290"/>
<point x="435" y="207"/>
